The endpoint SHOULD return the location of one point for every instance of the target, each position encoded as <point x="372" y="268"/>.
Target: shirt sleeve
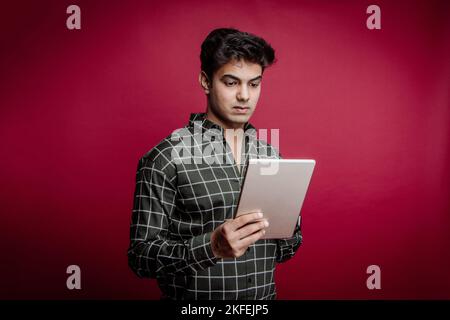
<point x="286" y="248"/>
<point x="151" y="250"/>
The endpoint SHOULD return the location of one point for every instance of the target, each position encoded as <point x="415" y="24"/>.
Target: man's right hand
<point x="232" y="238"/>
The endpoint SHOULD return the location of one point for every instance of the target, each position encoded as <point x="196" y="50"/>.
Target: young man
<point x="187" y="187"/>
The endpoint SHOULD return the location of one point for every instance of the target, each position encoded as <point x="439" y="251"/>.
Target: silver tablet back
<point x="277" y="187"/>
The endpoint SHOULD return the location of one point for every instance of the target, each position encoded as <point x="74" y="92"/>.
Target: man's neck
<point x="232" y="135"/>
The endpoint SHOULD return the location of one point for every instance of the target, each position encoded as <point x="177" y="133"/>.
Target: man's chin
<point x="239" y="120"/>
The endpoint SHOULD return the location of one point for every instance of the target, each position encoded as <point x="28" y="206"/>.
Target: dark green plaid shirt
<point x="187" y="186"/>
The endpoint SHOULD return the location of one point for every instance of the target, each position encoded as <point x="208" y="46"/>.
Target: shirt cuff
<point x="291" y="241"/>
<point x="201" y="255"/>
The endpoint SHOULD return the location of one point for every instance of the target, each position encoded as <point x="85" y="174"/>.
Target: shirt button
<point x="249" y="249"/>
<point x="249" y="280"/>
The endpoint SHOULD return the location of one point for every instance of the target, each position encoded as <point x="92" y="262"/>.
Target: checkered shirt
<point x="186" y="186"/>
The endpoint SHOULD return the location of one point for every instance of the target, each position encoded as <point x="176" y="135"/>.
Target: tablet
<point x="276" y="187"/>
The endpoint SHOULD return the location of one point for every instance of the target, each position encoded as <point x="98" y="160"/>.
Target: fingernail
<point x="266" y="223"/>
<point x="260" y="214"/>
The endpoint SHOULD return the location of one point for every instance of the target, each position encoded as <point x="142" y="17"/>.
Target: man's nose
<point x="243" y="94"/>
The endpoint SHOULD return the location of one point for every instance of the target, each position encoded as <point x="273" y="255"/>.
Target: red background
<point x="78" y="109"/>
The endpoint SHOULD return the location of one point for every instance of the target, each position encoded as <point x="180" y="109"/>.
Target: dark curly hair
<point x="225" y="44"/>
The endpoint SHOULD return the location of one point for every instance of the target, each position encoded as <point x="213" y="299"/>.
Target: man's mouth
<point x="241" y="109"/>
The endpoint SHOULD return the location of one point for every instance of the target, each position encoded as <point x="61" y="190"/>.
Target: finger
<point x="251" y="228"/>
<point x="251" y="239"/>
<point x="246" y="218"/>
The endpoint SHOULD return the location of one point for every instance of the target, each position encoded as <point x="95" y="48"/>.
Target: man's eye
<point x="232" y="83"/>
<point x="254" y="84"/>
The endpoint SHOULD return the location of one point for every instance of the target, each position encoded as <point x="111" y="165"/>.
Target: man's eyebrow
<point x="236" y="78"/>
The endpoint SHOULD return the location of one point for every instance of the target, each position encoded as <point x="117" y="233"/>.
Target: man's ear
<point x="204" y="81"/>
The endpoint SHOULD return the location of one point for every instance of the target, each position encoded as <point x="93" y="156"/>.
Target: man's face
<point x="234" y="93"/>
